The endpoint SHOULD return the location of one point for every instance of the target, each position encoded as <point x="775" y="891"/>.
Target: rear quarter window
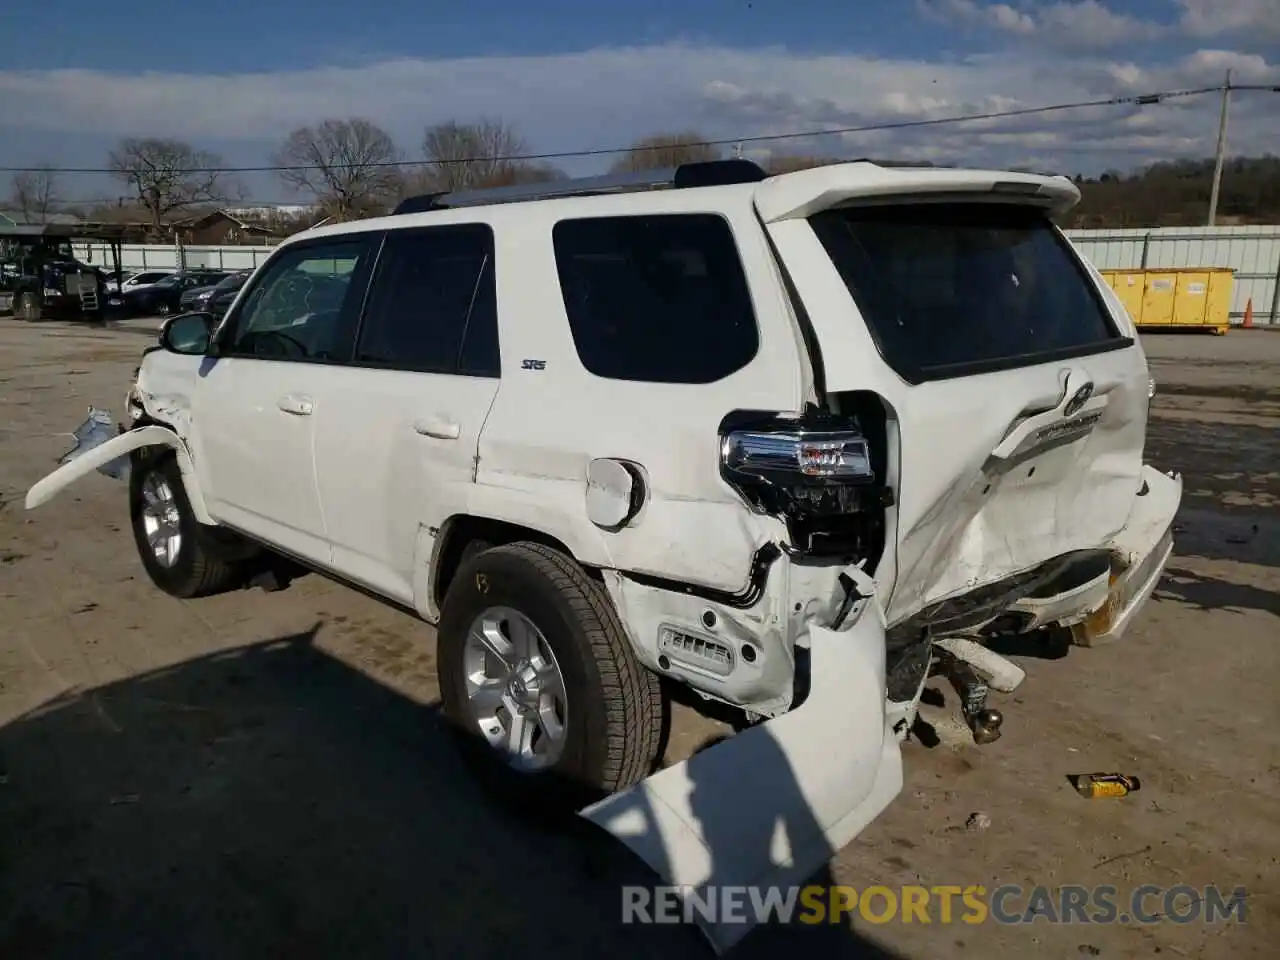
<point x="951" y="290"/>
<point x="659" y="298"/>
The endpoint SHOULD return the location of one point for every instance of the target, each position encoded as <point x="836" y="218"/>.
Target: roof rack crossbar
<point x="707" y="173"/>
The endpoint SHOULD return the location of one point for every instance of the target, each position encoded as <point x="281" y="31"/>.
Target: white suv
<point x="793" y="442"/>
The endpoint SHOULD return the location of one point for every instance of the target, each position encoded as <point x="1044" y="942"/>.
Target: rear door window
<point x="660" y="298"/>
<point x="433" y="305"/>
<point x="952" y="290"/>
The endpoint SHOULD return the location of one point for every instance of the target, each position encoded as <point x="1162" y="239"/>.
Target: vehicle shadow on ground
<point x="271" y="801"/>
<point x="1211" y="593"/>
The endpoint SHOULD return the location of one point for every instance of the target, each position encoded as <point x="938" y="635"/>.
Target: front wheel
<point x="540" y="681"/>
<point x="180" y="554"/>
<point x="162" y="310"/>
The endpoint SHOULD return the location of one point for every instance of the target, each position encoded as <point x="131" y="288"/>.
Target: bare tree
<point x="347" y="164"/>
<point x="34" y="193"/>
<point x="168" y="175"/>
<point x="662" y="150"/>
<point x="468" y="155"/>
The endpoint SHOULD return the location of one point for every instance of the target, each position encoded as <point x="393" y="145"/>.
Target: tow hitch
<point x="974" y="671"/>
<point x="972" y="690"/>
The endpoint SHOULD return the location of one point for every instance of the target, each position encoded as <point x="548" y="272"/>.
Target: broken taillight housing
<point x="800" y="469"/>
<point x="818" y="474"/>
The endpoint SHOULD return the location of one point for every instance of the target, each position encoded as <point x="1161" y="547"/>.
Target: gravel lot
<point x="262" y="775"/>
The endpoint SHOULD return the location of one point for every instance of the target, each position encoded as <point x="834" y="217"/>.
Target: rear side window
<point x="952" y="290"/>
<point x="660" y="298"/>
<point x="433" y="306"/>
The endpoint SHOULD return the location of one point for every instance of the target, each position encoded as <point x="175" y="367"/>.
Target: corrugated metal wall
<point x="1254" y="253"/>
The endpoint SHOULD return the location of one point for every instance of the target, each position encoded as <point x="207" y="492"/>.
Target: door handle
<point x="440" y="429"/>
<point x="298" y="406"/>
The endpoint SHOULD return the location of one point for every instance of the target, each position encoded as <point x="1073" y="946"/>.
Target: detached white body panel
<point x="778" y="800"/>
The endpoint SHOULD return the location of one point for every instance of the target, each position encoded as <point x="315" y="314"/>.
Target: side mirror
<point x="188" y="334"/>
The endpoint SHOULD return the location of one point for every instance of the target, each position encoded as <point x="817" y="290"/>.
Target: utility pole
<point x="1222" y="149"/>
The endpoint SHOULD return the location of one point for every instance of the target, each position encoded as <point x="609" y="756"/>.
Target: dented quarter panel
<point x="795" y="598"/>
<point x="550" y="421"/>
<point x="963" y="516"/>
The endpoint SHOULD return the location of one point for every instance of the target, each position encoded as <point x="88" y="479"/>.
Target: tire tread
<point x="208" y="574"/>
<point x="632" y="694"/>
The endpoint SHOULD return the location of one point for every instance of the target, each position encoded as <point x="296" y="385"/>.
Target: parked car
<point x="217" y="298"/>
<point x="136" y="281"/>
<point x="793" y="442"/>
<point x="164" y="296"/>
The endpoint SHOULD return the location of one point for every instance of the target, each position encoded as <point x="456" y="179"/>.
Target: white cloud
<point x="606" y="97"/>
<point x="1072" y="24"/>
<point x="1088" y="23"/>
<point x="998" y="15"/>
<point x="1211" y="18"/>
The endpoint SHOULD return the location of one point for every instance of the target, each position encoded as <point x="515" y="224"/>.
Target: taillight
<point x="818" y="474"/>
<point x="841" y="455"/>
<point x="794" y="472"/>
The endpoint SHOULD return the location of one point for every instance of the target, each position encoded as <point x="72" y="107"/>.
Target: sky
<point x="236" y="76"/>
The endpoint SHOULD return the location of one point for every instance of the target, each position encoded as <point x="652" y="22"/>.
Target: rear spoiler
<point x="806" y="192"/>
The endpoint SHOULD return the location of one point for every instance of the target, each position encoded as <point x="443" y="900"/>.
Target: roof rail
<point x="707" y="173"/>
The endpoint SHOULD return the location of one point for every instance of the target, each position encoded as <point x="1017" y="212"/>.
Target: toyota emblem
<point x="1078" y="400"/>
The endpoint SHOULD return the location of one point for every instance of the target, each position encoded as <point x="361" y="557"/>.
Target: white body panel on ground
<point x="775" y="802"/>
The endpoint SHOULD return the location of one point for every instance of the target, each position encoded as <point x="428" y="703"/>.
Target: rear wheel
<point x="27" y="307"/>
<point x="181" y="556"/>
<point x="552" y="708"/>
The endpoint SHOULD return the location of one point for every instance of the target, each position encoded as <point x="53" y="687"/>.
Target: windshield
<point x="947" y="289"/>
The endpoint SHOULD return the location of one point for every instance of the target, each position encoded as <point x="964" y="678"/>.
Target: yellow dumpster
<point x="1182" y="298"/>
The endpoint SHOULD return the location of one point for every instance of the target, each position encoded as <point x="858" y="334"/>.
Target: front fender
<point x="149" y="436"/>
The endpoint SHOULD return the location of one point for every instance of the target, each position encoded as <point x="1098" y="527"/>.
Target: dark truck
<point x="40" y="276"/>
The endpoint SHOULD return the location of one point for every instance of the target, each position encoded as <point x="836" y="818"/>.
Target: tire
<point x="196" y="568"/>
<point x="26" y="308"/>
<point x="162" y="310"/>
<point x="613" y="711"/>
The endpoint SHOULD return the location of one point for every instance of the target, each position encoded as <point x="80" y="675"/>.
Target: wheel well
<point x="460" y="532"/>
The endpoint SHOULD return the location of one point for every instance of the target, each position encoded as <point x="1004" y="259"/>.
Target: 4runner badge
<point x="533" y="365"/>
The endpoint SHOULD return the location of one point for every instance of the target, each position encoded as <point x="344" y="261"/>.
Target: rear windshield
<point x="951" y="290"/>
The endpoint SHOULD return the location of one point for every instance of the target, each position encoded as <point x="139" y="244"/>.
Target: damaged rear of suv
<point x="793" y="442"/>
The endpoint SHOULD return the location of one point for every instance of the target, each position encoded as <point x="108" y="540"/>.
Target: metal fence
<point x="1253" y="252"/>
<point x="165" y="256"/>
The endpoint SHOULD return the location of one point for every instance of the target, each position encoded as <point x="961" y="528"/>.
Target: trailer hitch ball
<point x="983" y="722"/>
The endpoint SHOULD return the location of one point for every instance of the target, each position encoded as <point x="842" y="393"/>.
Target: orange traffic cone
<point x="1248" y="314"/>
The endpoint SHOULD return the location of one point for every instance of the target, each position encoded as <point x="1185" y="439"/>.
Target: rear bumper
<point x="1144" y="548"/>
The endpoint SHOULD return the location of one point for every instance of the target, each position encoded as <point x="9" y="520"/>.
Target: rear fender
<point x="149" y="436"/>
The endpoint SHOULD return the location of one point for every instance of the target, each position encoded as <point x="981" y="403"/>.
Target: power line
<point x="1148" y="99"/>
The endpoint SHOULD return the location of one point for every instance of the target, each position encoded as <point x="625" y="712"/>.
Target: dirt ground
<point x="263" y="775"/>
